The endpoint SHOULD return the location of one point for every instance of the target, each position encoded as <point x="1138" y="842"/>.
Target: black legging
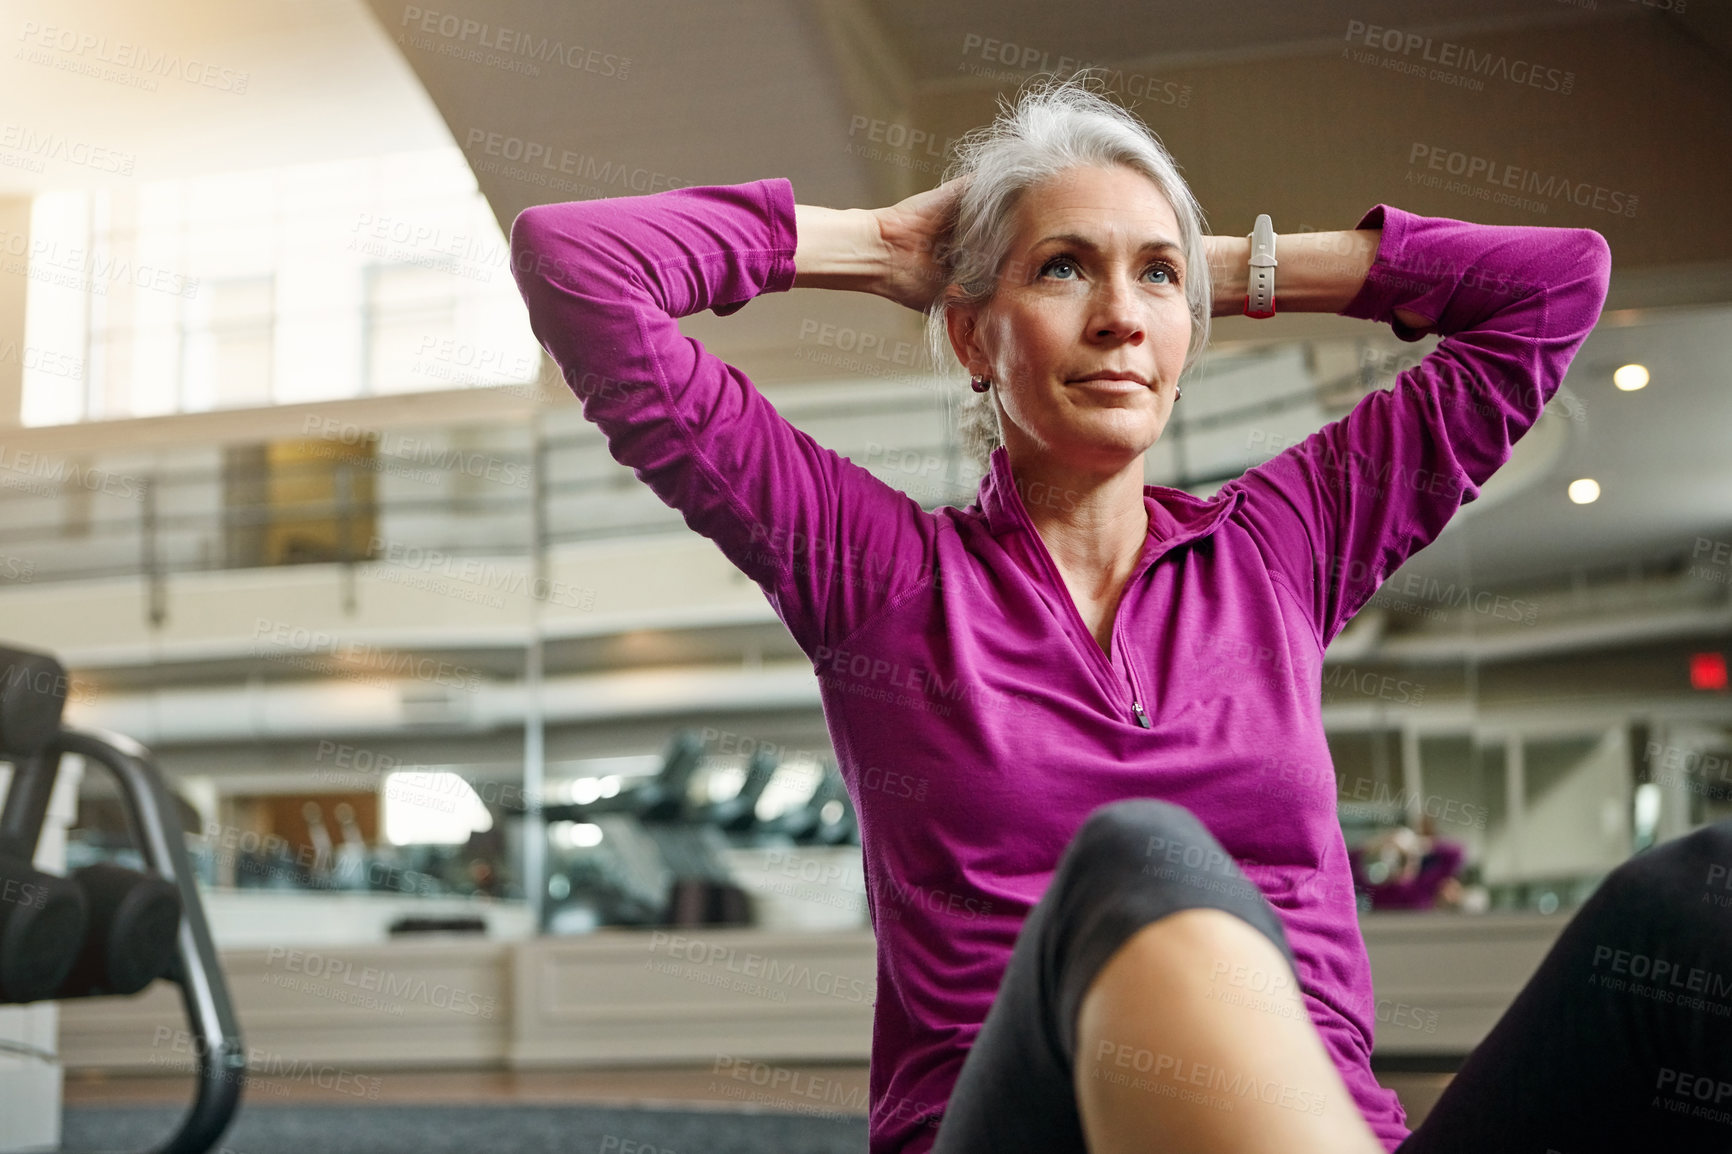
<point x="1571" y="1068"/>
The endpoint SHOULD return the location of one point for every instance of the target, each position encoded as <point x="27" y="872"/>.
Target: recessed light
<point x="1585" y="491"/>
<point x="1629" y="378"/>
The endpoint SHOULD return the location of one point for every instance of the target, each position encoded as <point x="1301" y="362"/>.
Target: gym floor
<point x="623" y="1087"/>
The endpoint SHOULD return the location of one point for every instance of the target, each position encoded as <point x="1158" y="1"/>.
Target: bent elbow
<point x="1595" y="260"/>
<point x="557" y="247"/>
<point x="534" y="239"/>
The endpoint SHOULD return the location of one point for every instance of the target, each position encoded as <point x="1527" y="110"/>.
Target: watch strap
<point x="1260" y="295"/>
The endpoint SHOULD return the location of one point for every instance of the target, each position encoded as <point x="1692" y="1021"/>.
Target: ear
<point x="962" y="321"/>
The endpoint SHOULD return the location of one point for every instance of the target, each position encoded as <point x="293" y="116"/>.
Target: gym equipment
<point x="43" y="918"/>
<point x="739" y="813"/>
<point x="134" y="918"/>
<point x="826" y="818"/>
<point x="842" y="826"/>
<point x="663" y="860"/>
<point x="661" y="800"/>
<point x="42" y="922"/>
<point x="107" y="929"/>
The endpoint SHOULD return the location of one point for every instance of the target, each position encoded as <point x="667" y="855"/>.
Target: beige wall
<point x="1307" y="133"/>
<point x="1316" y="139"/>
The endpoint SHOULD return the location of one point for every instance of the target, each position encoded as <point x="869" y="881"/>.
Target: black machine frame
<point x="156" y="829"/>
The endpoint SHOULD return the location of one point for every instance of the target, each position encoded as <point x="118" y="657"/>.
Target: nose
<point x="1117" y="314"/>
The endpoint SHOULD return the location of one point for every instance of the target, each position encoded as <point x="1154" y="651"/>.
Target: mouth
<point x="1114" y="380"/>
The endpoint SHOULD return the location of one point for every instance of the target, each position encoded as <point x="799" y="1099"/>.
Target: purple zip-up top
<point x="975" y="719"/>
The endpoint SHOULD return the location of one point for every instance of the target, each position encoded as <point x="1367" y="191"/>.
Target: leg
<point x="1020" y="1086"/>
<point x="1157" y="1007"/>
<point x="1622" y="1039"/>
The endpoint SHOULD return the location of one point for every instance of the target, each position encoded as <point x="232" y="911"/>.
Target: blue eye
<point x="1170" y="270"/>
<point x="1167" y="267"/>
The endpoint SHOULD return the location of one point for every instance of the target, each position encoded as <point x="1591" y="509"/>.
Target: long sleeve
<point x="605" y="281"/>
<point x="1343" y="509"/>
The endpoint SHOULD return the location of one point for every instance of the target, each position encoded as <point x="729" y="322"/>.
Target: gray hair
<point x="1054" y="125"/>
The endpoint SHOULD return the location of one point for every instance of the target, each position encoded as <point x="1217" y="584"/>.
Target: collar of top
<point x="1175" y="516"/>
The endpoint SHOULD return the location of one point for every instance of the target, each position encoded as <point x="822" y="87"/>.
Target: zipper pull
<point x="1142" y="718"/>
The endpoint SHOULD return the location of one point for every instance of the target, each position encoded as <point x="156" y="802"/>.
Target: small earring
<point x="981" y="384"/>
<point x="1178" y="391"/>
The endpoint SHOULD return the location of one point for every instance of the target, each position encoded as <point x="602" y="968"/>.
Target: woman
<point x="1408" y="869"/>
<point x="1012" y="686"/>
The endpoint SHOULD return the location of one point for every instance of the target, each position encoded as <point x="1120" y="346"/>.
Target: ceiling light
<point x="1585" y="491"/>
<point x="1630" y="377"/>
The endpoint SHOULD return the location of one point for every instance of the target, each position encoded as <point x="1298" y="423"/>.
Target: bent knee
<point x="1710" y="845"/>
<point x="1679" y="871"/>
<point x="1145" y="832"/>
<point x="1132" y="822"/>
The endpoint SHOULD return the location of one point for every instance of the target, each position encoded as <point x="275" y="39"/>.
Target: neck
<point x="1094" y="522"/>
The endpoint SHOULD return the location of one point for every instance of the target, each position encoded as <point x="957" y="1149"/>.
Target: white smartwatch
<point x="1260" y="297"/>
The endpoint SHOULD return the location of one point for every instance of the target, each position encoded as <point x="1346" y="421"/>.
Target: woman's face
<point x="1093" y="284"/>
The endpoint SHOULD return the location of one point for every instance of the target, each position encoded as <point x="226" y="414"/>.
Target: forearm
<point x="837" y="248"/>
<point x="1378" y="485"/>
<point x="1318" y="272"/>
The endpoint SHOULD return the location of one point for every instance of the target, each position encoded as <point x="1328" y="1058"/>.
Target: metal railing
<point x="501" y="490"/>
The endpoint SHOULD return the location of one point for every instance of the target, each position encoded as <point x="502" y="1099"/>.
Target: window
<point x="305" y="283"/>
<point x="227" y="345"/>
<point x="407" y="307"/>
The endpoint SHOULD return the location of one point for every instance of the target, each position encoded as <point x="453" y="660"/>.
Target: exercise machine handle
<point x="217" y="1043"/>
